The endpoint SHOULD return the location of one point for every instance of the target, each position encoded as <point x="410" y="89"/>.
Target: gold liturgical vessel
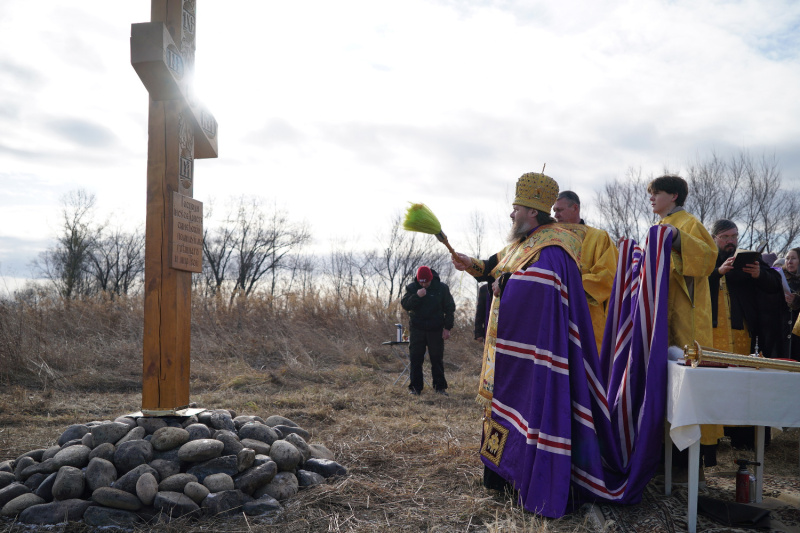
<point x="698" y="354"/>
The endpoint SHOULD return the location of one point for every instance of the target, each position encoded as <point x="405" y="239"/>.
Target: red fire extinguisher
<point x="745" y="488"/>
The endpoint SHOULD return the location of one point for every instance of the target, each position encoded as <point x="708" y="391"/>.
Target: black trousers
<point x="420" y="340"/>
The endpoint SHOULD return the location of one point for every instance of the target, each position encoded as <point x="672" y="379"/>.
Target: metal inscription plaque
<point x="187" y="233"/>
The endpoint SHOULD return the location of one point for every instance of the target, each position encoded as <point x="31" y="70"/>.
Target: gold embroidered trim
<point x="476" y="268"/>
<point x="494" y="440"/>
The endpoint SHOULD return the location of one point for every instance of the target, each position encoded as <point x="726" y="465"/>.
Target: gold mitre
<point x="537" y="191"/>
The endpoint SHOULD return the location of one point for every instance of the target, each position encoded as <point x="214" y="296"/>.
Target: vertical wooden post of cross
<point x="179" y="131"/>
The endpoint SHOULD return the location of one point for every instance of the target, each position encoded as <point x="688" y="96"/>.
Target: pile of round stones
<point x="137" y="470"/>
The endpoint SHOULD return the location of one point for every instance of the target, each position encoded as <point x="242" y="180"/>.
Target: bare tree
<point x="116" y="261"/>
<point x="767" y="203"/>
<point x="260" y="242"/>
<point x="217" y="251"/>
<point x="402" y="252"/>
<point x="712" y="190"/>
<point x="623" y="207"/>
<point x="66" y="264"/>
<point x="477" y="224"/>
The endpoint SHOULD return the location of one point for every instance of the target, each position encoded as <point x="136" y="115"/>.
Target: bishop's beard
<point x="519" y="230"/>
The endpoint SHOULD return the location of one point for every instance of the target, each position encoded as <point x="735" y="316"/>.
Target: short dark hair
<point x="670" y="185"/>
<point x="569" y="195"/>
<point x="543" y="218"/>
<point x="721" y="225"/>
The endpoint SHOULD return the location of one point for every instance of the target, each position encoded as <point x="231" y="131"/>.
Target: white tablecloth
<point x="729" y="396"/>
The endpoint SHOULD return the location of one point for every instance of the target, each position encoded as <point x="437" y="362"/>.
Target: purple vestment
<point x="569" y="426"/>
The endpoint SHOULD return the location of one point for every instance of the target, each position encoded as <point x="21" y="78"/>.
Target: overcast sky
<point x="343" y="112"/>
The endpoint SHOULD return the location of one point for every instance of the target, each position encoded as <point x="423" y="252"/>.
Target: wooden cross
<point x="179" y="131"/>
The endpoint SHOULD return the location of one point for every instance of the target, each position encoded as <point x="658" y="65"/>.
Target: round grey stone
<point x="218" y="482"/>
<point x="174" y="504"/>
<point x="11" y="491"/>
<point x="245" y="458"/>
<point x="256" y="477"/>
<point x="75" y="431"/>
<point x="166" y="468"/>
<point x="277" y="420"/>
<point x="196" y="491"/>
<point x="225" y="503"/>
<point x="227" y="464"/>
<point x="146" y="488"/>
<point x="299" y="443"/>
<point x="176" y="483"/>
<point x="258" y="446"/>
<point x="231" y="443"/>
<point x="20" y="503"/>
<point x="262" y="459"/>
<point x="264" y="505"/>
<point x="87" y="440"/>
<point x="77" y="456"/>
<point x="109" y="432"/>
<point x="6" y="479"/>
<point x="204" y="417"/>
<point x="100" y="473"/>
<point x="308" y="479"/>
<point x="128" y="481"/>
<point x="21" y="465"/>
<point x="319" y="451"/>
<point x="198" y="431"/>
<point x="200" y="450"/>
<point x="104" y="451"/>
<point x="169" y="455"/>
<point x="241" y="420"/>
<point x="222" y="420"/>
<point x="286" y="430"/>
<point x="151" y="423"/>
<point x="283" y="486"/>
<point x="131" y="454"/>
<point x="45" y="488"/>
<point x="189" y="421"/>
<point x="116" y="499"/>
<point x="285" y="455"/>
<point x="325" y="467"/>
<point x="50" y="452"/>
<point x="69" y="483"/>
<point x="135" y="433"/>
<point x="55" y="512"/>
<point x="8" y="465"/>
<point x="36" y="455"/>
<point x="168" y="438"/>
<point x="104" y="517"/>
<point x="45" y="467"/>
<point x="126" y="420"/>
<point x="33" y="481"/>
<point x="258" y="431"/>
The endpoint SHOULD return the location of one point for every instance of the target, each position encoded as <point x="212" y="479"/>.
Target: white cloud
<point x="345" y="111"/>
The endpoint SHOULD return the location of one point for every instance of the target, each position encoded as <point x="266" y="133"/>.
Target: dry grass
<point x="413" y="461"/>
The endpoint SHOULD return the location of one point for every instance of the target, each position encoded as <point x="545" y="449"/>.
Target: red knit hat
<point x="424" y="274"/>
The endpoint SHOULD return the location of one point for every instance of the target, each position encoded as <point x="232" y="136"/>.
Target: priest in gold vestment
<point x="598" y="261"/>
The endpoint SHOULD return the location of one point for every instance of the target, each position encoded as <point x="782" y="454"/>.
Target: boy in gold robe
<point x="693" y="259"/>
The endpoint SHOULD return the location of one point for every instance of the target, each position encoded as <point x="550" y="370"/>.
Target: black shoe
<point x="413" y="392"/>
<point x="443" y="392"/>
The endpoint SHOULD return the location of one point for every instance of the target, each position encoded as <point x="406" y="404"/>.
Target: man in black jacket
<point x="740" y="324"/>
<point x="740" y="311"/>
<point x="431" y="312"/>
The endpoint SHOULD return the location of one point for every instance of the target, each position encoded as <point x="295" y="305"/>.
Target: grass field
<point x="413" y="461"/>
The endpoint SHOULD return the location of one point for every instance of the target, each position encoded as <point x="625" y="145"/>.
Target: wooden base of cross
<point x="179" y="131"/>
